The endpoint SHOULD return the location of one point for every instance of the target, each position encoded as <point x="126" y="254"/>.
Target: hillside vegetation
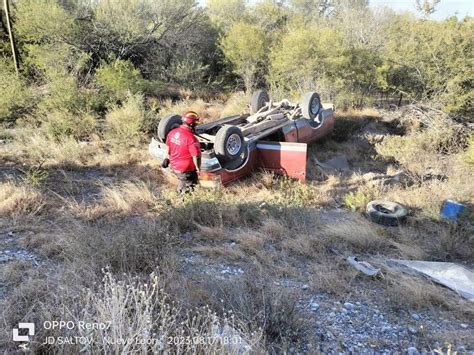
<point x="103" y="236"/>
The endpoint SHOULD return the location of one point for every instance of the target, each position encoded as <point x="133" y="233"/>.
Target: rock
<point x="412" y="351"/>
<point x="411" y="330"/>
<point x="415" y="316"/>
<point x="349" y="306"/>
<point x="338" y="163"/>
<point x="314" y="306"/>
<point x="186" y="236"/>
<point x="305" y="287"/>
<point x="464" y="326"/>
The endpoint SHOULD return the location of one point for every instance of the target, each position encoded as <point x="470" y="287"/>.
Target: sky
<point x="444" y="9"/>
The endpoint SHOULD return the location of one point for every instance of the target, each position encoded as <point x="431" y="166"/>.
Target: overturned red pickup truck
<point x="273" y="137"/>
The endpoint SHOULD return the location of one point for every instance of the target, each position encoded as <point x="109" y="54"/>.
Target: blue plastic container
<point x="451" y="210"/>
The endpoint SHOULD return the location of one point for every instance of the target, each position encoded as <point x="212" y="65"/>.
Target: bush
<point x="15" y="97"/>
<point x="421" y="151"/>
<point x="124" y="122"/>
<point x="120" y="78"/>
<point x="357" y="200"/>
<point x="468" y="155"/>
<point x="60" y="124"/>
<point x="64" y="94"/>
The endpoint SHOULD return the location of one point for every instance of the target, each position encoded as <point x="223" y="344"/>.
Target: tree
<point x="244" y="47"/>
<point x="426" y="7"/>
<point x="224" y="13"/>
<point x="431" y="60"/>
<point x="312" y="8"/>
<point x="306" y="58"/>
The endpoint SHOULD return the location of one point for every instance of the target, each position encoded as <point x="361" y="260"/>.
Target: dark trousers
<point x="187" y="180"/>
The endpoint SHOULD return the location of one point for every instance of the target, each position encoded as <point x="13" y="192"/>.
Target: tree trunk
<point x="10" y="35"/>
<point x="400" y="100"/>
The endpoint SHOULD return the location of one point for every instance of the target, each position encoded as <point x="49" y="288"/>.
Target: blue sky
<point x="445" y="8"/>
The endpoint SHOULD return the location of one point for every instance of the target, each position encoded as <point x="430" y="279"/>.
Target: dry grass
<point x="332" y="277"/>
<point x="129" y="198"/>
<point x="35" y="148"/>
<point x="415" y="292"/>
<point x="207" y="111"/>
<point x="235" y="104"/>
<point x="20" y="200"/>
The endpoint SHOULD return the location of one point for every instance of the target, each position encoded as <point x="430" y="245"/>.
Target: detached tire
<point x="166" y="124"/>
<point x="386" y="213"/>
<point x="311" y="105"/>
<point x="229" y="143"/>
<point x="258" y="100"/>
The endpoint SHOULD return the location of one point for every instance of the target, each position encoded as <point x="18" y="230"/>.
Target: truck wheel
<point x="258" y="100"/>
<point x="386" y="213"/>
<point x="166" y="124"/>
<point x="229" y="143"/>
<point x="311" y="105"/>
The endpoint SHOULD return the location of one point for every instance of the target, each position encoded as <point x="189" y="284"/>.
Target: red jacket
<point x="183" y="146"/>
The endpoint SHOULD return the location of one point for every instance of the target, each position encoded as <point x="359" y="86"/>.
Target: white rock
<point x="464" y="326"/>
<point x="314" y="306"/>
<point x="349" y="306"/>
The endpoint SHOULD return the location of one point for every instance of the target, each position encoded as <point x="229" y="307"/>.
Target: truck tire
<point x="386" y="213"/>
<point x="229" y="143"/>
<point x="166" y="124"/>
<point x="311" y="105"/>
<point x="258" y="100"/>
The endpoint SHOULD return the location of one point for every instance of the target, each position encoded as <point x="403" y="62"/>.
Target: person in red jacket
<point x="184" y="152"/>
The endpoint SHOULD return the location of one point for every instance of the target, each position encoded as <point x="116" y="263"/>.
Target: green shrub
<point x="15" y="97"/>
<point x="120" y="78"/>
<point x="358" y="199"/>
<point x="468" y="155"/>
<point x="64" y="94"/>
<point x="59" y="124"/>
<point x="442" y="137"/>
<point x="124" y="122"/>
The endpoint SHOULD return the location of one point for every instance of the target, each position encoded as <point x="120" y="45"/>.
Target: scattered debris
<point x="451" y="210"/>
<point x="398" y="178"/>
<point x="451" y="275"/>
<point x="338" y="163"/>
<point x="363" y="266"/>
<point x="386" y="213"/>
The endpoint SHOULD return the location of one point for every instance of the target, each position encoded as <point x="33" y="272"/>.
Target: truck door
<point x="283" y="158"/>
